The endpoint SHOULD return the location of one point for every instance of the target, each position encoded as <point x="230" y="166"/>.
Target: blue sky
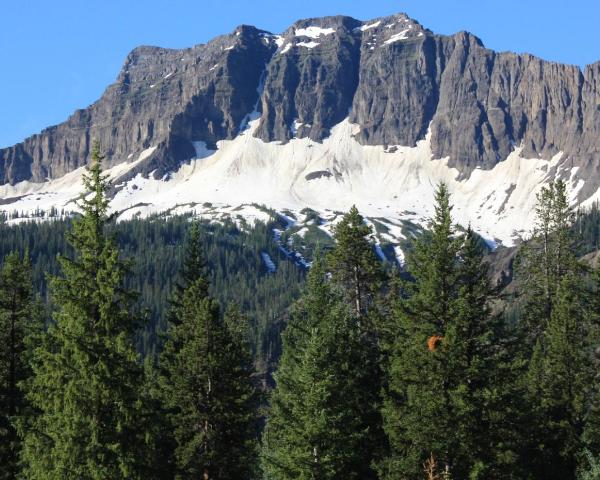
<point x="59" y="55"/>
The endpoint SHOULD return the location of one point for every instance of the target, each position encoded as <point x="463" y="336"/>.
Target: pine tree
<point x="17" y="323"/>
<point x="482" y="372"/>
<point x="323" y="422"/>
<point x="358" y="279"/>
<point x="443" y="399"/>
<point x="206" y="383"/>
<point x="591" y="469"/>
<point x="560" y="380"/>
<point x="353" y="264"/>
<point x="87" y="376"/>
<point x="545" y="258"/>
<point x="562" y="383"/>
<point x="417" y="408"/>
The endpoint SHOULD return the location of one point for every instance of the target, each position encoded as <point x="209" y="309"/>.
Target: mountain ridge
<point x="387" y="83"/>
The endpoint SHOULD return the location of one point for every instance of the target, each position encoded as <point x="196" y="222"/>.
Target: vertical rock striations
<point x="395" y="79"/>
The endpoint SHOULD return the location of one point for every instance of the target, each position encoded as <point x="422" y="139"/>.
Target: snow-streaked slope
<point x="394" y="183"/>
<point x="61" y="193"/>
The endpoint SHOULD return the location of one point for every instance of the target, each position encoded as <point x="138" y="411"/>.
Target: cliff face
<point x="392" y="77"/>
<point x="162" y="98"/>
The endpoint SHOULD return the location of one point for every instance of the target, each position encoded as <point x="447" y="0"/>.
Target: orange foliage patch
<point x="433" y="342"/>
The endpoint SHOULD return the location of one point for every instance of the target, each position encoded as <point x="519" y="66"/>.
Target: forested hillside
<point x="136" y="350"/>
<point x="155" y="248"/>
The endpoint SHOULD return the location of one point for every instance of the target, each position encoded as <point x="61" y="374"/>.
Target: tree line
<point x="408" y="374"/>
<point x="236" y="269"/>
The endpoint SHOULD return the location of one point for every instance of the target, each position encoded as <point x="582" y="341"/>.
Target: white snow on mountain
<point x="397" y="37"/>
<point x="286" y="48"/>
<point x="364" y="28"/>
<point x="395" y="184"/>
<point x="313" y="32"/>
<point x="308" y="44"/>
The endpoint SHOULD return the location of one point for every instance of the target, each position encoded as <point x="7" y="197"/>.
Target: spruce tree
<point x="442" y="398"/>
<point x="562" y="384"/>
<point x="87" y="375"/>
<point x="17" y="323"/>
<point x="206" y="383"/>
<point x="417" y="415"/>
<point x="353" y="264"/>
<point x="545" y="258"/>
<point x="482" y="374"/>
<point x="358" y="279"/>
<point x="562" y="330"/>
<point x="323" y="421"/>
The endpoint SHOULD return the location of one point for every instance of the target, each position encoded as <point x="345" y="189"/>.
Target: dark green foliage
<point x="562" y="380"/>
<point x="428" y="347"/>
<point x="205" y="381"/>
<point x="546" y="258"/>
<point x="586" y="229"/>
<point x="560" y="316"/>
<point x="353" y="264"/>
<point x="156" y="246"/>
<point x="325" y="406"/>
<point x="450" y="364"/>
<point x="87" y="377"/>
<point x="321" y="413"/>
<point x="483" y="368"/>
<point x="18" y="322"/>
<point x="591" y="468"/>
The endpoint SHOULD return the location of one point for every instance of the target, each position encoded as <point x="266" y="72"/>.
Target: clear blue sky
<point x="59" y="55"/>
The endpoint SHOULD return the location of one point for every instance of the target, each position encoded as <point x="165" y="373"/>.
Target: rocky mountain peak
<point x="398" y="82"/>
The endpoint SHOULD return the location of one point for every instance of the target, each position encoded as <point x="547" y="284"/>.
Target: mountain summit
<point x="333" y="111"/>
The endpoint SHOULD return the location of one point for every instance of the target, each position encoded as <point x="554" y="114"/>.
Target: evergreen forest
<point x="170" y="348"/>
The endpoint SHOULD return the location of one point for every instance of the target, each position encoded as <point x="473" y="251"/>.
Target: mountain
<point x="332" y="112"/>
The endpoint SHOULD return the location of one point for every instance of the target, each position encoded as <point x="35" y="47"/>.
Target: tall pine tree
<point x="545" y="258"/>
<point x="562" y="385"/>
<point x="324" y="420"/>
<point x="17" y="322"/>
<point x="87" y="375"/>
<point x="482" y="372"/>
<point x="353" y="265"/>
<point x="442" y="399"/>
<point x="323" y="423"/>
<point x="206" y="382"/>
<point x="561" y="326"/>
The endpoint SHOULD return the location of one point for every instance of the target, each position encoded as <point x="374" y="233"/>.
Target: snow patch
<point x="295" y="126"/>
<point x="313" y="32"/>
<point x="201" y="150"/>
<point x="145" y="154"/>
<point x="400" y="257"/>
<point x="397" y="37"/>
<point x="364" y="28"/>
<point x="308" y="44"/>
<point x="286" y="48"/>
<point x="396" y="184"/>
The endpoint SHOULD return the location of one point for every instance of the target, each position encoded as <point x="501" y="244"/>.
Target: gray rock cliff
<point x="395" y="79"/>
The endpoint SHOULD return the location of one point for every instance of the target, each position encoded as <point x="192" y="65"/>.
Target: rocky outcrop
<point x="162" y="98"/>
<point x="395" y="79"/>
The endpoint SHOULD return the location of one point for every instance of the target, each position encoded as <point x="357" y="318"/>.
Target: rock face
<point x="392" y="77"/>
<point x="162" y="98"/>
